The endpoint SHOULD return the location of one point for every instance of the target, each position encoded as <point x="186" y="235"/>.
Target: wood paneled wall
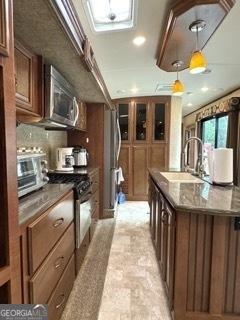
<point x="199" y="262"/>
<point x="10" y="275"/>
<point x="95" y="146"/>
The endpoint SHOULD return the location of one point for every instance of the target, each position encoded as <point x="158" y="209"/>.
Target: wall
<point x="49" y="141"/>
<point x="175" y="133"/>
<point x="189" y="120"/>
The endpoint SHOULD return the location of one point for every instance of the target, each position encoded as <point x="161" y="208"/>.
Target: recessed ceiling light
<point x="189" y="104"/>
<point x="139" y="41"/>
<point x="207" y="71"/>
<point x="121" y="91"/>
<point x="204" y="89"/>
<point x="134" y="90"/>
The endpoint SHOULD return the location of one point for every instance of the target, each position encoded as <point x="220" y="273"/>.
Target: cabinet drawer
<point x="45" y="231"/>
<point x="58" y="299"/>
<point x="46" y="278"/>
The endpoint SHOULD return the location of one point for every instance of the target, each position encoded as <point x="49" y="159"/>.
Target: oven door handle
<point x="86" y="197"/>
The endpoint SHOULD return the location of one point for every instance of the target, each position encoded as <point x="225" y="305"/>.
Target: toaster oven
<point x="31" y="172"/>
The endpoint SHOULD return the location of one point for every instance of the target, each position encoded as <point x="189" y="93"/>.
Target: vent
<point x="163" y="87"/>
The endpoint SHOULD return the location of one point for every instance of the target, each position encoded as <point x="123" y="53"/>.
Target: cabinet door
<point x="23" y="71"/>
<point x="158" y="156"/>
<point x="160" y="121"/>
<point x="82" y="117"/>
<point x="152" y="204"/>
<point x="141" y="122"/>
<point x="4" y="35"/>
<point x="28" y="80"/>
<point x="140" y="174"/>
<point x="170" y="254"/>
<point x="124" y="163"/>
<point x="163" y="237"/>
<point x="124" y="121"/>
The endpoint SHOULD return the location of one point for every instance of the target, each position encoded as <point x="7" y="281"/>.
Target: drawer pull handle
<point x="58" y="262"/>
<point x="62" y="302"/>
<point x="58" y="222"/>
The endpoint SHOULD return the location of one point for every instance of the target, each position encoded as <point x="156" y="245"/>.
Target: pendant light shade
<point x="178" y="88"/>
<point x="198" y="63"/>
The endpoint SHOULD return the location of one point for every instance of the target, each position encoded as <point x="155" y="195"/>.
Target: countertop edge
<point x="188" y="209"/>
<point x="46" y="207"/>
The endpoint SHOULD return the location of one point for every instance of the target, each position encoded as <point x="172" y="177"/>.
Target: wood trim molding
<point x="4" y="275"/>
<point x="4" y="30"/>
<point x="176" y="36"/>
<point x="232" y="104"/>
<point x="99" y="78"/>
<point x="68" y="18"/>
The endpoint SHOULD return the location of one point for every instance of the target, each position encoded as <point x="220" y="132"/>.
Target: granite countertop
<point x="34" y="204"/>
<point x="199" y="197"/>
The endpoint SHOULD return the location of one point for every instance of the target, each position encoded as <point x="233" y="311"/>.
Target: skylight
<point x="110" y="15"/>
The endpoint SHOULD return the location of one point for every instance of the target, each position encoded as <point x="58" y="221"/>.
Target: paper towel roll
<point x="223" y="166"/>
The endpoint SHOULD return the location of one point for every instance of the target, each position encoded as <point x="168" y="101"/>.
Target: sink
<point x="183" y="177"/>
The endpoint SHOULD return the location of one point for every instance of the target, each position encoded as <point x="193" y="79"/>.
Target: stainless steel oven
<point x="82" y="217"/>
<point x="61" y="107"/>
<point x="31" y="172"/>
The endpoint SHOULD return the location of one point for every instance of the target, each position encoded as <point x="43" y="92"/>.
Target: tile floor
<point x="133" y="289"/>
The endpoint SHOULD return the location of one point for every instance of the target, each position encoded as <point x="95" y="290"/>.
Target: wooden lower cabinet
<point x="199" y="260"/>
<point x="139" y="171"/>
<point x="125" y="163"/>
<point x="48" y="259"/>
<point x="58" y="299"/>
<point x="135" y="161"/>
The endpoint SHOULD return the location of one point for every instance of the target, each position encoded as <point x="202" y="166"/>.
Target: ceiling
<point x="125" y="66"/>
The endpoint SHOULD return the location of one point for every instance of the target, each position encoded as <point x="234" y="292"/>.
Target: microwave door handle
<point x="77" y="108"/>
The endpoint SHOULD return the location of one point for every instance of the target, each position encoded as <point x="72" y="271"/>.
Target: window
<point x="110" y="15"/>
<point x="214" y="131"/>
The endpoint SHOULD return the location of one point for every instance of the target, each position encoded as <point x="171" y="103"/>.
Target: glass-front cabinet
<point x="144" y="121"/>
<point x="159" y="122"/>
<point x="140" y="123"/>
<point x="124" y="114"/>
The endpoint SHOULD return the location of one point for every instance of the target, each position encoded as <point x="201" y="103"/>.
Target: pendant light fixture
<point x="198" y="63"/>
<point x="177" y="87"/>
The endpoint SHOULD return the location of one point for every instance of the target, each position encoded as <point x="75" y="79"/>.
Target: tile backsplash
<point x="49" y="141"/>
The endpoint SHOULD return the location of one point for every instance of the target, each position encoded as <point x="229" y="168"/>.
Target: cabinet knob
<point x="58" y="262"/>
<point x="62" y="301"/>
<point x="58" y="222"/>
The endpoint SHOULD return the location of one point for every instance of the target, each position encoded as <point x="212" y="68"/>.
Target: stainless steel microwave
<point x="60" y="106"/>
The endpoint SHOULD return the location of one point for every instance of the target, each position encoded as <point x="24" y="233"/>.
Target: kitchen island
<point x="195" y="229"/>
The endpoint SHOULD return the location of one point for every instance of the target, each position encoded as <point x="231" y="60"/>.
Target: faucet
<point x="199" y="167"/>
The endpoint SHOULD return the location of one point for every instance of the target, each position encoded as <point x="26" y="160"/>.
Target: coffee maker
<point x="65" y="160"/>
<point x="80" y="157"/>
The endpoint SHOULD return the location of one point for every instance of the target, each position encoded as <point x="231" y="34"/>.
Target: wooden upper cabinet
<point x="28" y="81"/>
<point x="4" y="33"/>
<point x="82" y="117"/>
<point x="124" y="121"/>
